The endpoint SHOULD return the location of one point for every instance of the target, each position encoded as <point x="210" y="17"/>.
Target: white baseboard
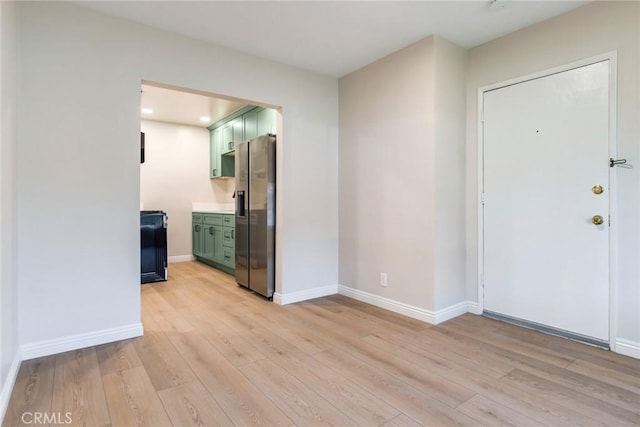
<point x="628" y="348"/>
<point x="432" y="317"/>
<point x="74" y="342"/>
<point x="452" y="311"/>
<point x="292" y="297"/>
<point x="473" y="307"/>
<point x="9" y="382"/>
<point x="181" y="258"/>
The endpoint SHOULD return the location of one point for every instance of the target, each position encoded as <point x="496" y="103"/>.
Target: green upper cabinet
<point x="243" y="125"/>
<point x="232" y="134"/>
<point x="238" y="132"/>
<point x="221" y="166"/>
<point x="214" y="151"/>
<point x="266" y="121"/>
<point x="250" y="124"/>
<point x="226" y="140"/>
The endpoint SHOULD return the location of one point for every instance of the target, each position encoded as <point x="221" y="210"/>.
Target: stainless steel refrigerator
<point x="256" y="214"/>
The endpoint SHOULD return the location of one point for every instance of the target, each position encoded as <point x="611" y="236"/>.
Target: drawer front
<point x="229" y="220"/>
<point x="229" y="257"/>
<point x="213" y="219"/>
<point x="229" y="237"/>
<point x="197" y="218"/>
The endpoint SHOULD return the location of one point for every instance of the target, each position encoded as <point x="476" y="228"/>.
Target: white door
<point x="546" y="150"/>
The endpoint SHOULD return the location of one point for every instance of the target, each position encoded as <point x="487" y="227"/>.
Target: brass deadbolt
<point x="597" y="220"/>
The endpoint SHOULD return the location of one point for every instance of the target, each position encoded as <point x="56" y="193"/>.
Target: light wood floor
<point x="214" y="354"/>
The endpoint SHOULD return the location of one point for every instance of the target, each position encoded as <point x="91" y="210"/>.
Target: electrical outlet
<point x="383" y="279"/>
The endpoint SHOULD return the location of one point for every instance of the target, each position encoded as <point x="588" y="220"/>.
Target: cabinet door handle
<point x="212" y="230"/>
<point x="213" y="172"/>
<point x="230" y="145"/>
<point x="233" y="234"/>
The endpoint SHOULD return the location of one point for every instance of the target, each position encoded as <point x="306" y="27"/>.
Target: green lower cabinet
<point x="217" y="244"/>
<point x="208" y="251"/>
<point x="197" y="234"/>
<point x="213" y="242"/>
<point x="229" y="246"/>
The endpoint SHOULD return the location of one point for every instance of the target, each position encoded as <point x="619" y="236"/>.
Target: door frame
<point x="612" y="57"/>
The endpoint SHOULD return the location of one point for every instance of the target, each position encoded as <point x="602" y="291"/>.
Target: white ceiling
<point x="333" y="37"/>
<point x="176" y="106"/>
<point x="328" y="37"/>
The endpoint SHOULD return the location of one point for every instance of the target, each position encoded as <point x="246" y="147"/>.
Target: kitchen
<point x="188" y="171"/>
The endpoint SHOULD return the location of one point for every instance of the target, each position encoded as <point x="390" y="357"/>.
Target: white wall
<point x="9" y="348"/>
<point x="386" y="176"/>
<point x="175" y="175"/>
<point x="587" y="31"/>
<point x="402" y="179"/>
<point x="79" y="171"/>
<point x="450" y="67"/>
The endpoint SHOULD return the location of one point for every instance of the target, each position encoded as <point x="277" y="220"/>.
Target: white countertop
<point x="225" y="212"/>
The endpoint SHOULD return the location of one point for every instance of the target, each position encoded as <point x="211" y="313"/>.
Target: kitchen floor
<point x="215" y="354"/>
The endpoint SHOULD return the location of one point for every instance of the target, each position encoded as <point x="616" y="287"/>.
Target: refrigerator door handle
<point x="240" y="203"/>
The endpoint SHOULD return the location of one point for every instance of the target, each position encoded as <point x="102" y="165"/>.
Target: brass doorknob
<point x="597" y="189"/>
<point x="597" y="219"/>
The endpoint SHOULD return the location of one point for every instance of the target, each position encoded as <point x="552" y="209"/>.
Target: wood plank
<point x="216" y="354"/>
<point x="306" y="339"/>
<point x="241" y="400"/>
<point x="374" y="318"/>
<point x="402" y="421"/>
<point x="190" y="404"/>
<point x="78" y="389"/>
<point x="479" y="381"/>
<point x="413" y="402"/>
<point x="301" y="404"/>
<point x="589" y="406"/>
<point x="380" y="313"/>
<point x="490" y="413"/>
<point x="32" y="392"/>
<point x="232" y="346"/>
<point x="117" y="356"/>
<point x="495" y="354"/>
<point x="436" y="386"/>
<point x="573" y="349"/>
<point x="448" y="363"/>
<point x="590" y="386"/>
<point x="164" y="365"/>
<point x="162" y="313"/>
<point x="357" y="403"/>
<point x="607" y="374"/>
<point x="132" y="399"/>
<point x="494" y="336"/>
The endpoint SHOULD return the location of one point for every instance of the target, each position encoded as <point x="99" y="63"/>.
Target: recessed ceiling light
<point x="205" y="119"/>
<point x="147" y="111"/>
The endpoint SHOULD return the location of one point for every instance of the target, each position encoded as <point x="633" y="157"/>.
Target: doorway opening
<point x="188" y="173"/>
